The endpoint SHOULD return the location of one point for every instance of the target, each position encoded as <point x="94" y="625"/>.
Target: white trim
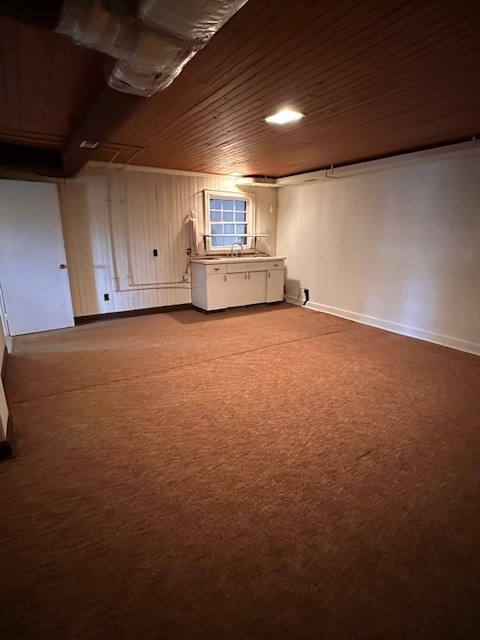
<point x="250" y="218"/>
<point x="447" y="152"/>
<point x="173" y="172"/>
<point x="257" y="182"/>
<point x="4" y="329"/>
<point x="394" y="327"/>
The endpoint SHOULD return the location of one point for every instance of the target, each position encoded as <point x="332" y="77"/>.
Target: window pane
<point x="228" y="219"/>
<point x="240" y="205"/>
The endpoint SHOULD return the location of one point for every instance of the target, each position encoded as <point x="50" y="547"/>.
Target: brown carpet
<point x="266" y="473"/>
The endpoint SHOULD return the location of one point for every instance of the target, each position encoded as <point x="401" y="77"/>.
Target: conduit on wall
<point x="120" y="243"/>
<point x="148" y="47"/>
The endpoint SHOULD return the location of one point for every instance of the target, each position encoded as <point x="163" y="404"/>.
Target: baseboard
<point x="8" y="447"/>
<point x="114" y="315"/>
<point x="394" y="327"/>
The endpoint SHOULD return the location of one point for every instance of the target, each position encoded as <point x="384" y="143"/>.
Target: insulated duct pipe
<point x="149" y="41"/>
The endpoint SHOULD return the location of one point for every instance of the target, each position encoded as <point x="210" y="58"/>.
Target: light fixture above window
<point x="284" y="116"/>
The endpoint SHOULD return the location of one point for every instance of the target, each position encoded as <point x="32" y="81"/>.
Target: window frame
<point x="210" y="194"/>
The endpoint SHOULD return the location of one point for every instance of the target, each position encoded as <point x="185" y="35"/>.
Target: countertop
<point x="229" y="259"/>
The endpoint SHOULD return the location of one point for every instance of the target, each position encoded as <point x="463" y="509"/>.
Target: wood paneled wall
<point x="113" y="219"/>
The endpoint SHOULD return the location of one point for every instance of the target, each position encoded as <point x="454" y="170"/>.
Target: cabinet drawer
<point x="210" y="269"/>
<point x="275" y="264"/>
<point x="243" y="267"/>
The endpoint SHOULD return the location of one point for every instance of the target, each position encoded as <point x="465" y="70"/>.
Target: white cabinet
<point x="216" y="289"/>
<point x="209" y="286"/>
<point x="275" y="282"/>
<point x="236" y="282"/>
<point x="245" y="288"/>
<point x="256" y="287"/>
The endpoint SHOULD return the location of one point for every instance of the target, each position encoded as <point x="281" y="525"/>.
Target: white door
<point x="35" y="291"/>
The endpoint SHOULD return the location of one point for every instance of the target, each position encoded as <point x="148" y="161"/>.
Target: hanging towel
<point x="195" y="237"/>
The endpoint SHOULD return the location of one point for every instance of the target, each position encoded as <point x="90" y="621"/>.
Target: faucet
<point x="241" y="249"/>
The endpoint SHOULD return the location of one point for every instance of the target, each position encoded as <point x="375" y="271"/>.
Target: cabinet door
<point x="237" y="293"/>
<point x="216" y="291"/>
<point x="256" y="287"/>
<point x="246" y="288"/>
<point x="275" y="282"/>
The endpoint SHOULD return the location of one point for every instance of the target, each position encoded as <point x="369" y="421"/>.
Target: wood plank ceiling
<point x="373" y="78"/>
<point x="45" y="81"/>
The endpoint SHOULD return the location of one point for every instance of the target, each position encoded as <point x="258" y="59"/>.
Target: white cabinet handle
<point x="275" y="264"/>
<point x="249" y="276"/>
<point x="268" y="276"/>
<point x="225" y="278"/>
<point x="216" y="268"/>
<point x="245" y="276"/>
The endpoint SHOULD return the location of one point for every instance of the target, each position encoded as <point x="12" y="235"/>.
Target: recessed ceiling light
<point x="284" y="116"/>
<point x="236" y="174"/>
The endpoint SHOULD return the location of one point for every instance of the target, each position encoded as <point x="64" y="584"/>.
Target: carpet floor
<point x="270" y="473"/>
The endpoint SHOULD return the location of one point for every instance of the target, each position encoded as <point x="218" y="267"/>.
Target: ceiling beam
<point x="104" y="114"/>
<point x="45" y="15"/>
<point x="45" y="162"/>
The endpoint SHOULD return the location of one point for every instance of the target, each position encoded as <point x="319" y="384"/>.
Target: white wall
<point x="398" y="249"/>
<point x="112" y="221"/>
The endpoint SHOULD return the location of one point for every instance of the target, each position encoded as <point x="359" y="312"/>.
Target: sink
<point x="248" y="256"/>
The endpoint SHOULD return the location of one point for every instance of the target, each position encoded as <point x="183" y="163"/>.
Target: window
<point x="228" y="220"/>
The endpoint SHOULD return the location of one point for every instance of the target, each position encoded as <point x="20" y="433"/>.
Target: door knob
<point x="62" y="266"/>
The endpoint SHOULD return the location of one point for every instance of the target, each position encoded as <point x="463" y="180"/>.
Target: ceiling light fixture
<point x="235" y="174"/>
<point x="88" y="144"/>
<point x="284" y="116"/>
